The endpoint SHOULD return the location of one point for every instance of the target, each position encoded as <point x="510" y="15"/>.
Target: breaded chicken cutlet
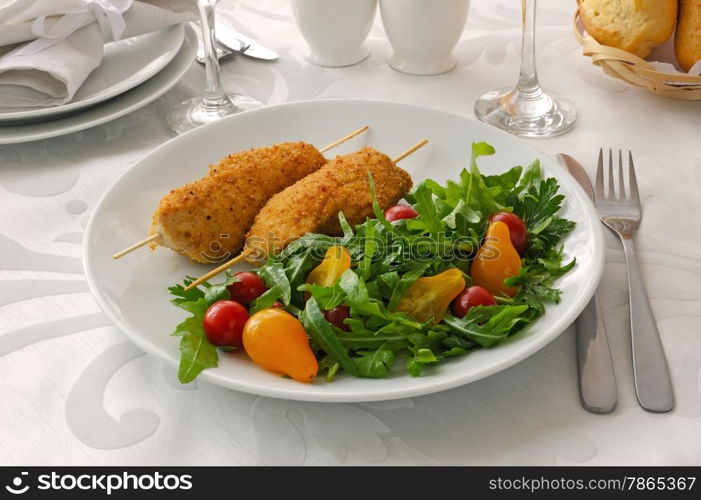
<point x="312" y="204"/>
<point x="207" y="220"/>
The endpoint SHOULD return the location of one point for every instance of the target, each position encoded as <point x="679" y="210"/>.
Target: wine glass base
<point x="194" y="112"/>
<point x="541" y="115"/>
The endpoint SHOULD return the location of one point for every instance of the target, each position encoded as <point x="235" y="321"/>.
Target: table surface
<point x="76" y="391"/>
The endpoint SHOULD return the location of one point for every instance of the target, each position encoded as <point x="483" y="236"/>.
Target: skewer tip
<point x="135" y="246"/>
<point x="411" y="150"/>
<point x="344" y="139"/>
<point x="223" y="267"/>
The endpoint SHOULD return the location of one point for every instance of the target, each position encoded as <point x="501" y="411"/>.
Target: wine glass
<point x="215" y="103"/>
<point x="527" y="110"/>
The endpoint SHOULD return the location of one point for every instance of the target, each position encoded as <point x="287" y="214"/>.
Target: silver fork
<point x="622" y="214"/>
<point x="223" y="53"/>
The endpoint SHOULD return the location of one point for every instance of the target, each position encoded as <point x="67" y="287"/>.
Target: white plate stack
<point x="133" y="71"/>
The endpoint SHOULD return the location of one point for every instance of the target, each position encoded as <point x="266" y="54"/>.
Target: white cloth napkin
<point x="49" y="47"/>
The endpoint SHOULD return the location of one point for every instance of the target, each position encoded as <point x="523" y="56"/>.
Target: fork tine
<point x="635" y="196"/>
<point x="621" y="183"/>
<point x="242" y="49"/>
<point x="612" y="187"/>
<point x="599" y="194"/>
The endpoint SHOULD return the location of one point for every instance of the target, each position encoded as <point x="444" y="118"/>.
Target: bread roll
<point x="687" y="43"/>
<point x="636" y="26"/>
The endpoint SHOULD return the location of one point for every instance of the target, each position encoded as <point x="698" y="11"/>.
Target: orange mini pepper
<point x="496" y="260"/>
<point x="276" y="341"/>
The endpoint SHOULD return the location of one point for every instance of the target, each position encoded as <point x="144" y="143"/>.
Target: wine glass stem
<point x="528" y="77"/>
<point x="214" y="96"/>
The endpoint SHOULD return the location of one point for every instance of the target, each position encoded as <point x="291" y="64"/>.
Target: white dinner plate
<point x="121" y="105"/>
<point x="133" y="290"/>
<point x="126" y="64"/>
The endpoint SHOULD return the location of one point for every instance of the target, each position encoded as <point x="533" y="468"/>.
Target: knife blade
<point x="577" y="171"/>
<point x="234" y="40"/>
<point x="597" y="381"/>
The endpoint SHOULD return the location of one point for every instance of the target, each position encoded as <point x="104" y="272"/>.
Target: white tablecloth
<point x="76" y="391"/>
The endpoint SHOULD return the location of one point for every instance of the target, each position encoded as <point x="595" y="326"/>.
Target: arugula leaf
<point x="370" y="247"/>
<point x="357" y="295"/>
<point x="422" y="357"/>
<point x="327" y="363"/>
<point x="531" y="177"/>
<point x="196" y="353"/>
<point x="505" y="183"/>
<point x="387" y="283"/>
<point x="274" y="276"/>
<point x="427" y="210"/>
<point x="425" y="355"/>
<point x="269" y="297"/>
<point x="480" y="200"/>
<point x="322" y="333"/>
<point x="413" y="367"/>
<point x="297" y="269"/>
<point x="375" y="364"/>
<point x="456" y="343"/>
<point x="480" y="149"/>
<point x="361" y="338"/>
<point x="213" y="293"/>
<point x="326" y="297"/>
<point x="486" y="325"/>
<point x="346" y="227"/>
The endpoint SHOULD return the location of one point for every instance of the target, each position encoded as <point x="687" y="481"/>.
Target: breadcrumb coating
<point x="207" y="220"/>
<point x="312" y="204"/>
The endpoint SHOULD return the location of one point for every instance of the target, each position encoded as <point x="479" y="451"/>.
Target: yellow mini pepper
<point x="336" y="261"/>
<point x="430" y="297"/>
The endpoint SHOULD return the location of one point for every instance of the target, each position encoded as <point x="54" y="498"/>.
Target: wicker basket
<point x="636" y="71"/>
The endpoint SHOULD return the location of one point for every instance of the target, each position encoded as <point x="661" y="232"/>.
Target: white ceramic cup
<point x="423" y="33"/>
<point x="335" y="30"/>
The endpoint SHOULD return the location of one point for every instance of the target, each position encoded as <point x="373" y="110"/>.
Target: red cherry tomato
<point x="278" y="305"/>
<point x="224" y="322"/>
<point x="470" y="297"/>
<point x="336" y="316"/>
<point x="249" y="288"/>
<point x="517" y="229"/>
<point x="399" y="212"/>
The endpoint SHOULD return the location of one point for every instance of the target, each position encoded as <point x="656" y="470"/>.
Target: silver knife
<point x="597" y="382"/>
<point x="234" y="40"/>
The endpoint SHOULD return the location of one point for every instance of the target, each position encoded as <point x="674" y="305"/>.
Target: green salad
<point x="409" y="291"/>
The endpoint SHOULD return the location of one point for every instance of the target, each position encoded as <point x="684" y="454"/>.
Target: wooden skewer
<point x="411" y="150"/>
<point x="140" y="244"/>
<point x="241" y="256"/>
<point x="153" y="237"/>
<point x="344" y="139"/>
<point x="226" y="265"/>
